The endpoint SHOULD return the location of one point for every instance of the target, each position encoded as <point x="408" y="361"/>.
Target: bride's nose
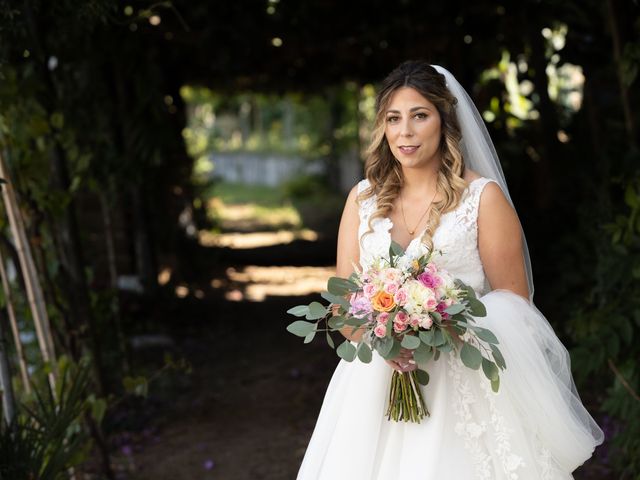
<point x="406" y="130"/>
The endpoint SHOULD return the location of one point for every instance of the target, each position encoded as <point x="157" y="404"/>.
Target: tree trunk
<point x="22" y="361"/>
<point x="32" y="283"/>
<point x="6" y="388"/>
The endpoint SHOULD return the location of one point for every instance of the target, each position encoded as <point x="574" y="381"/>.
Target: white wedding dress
<point x="534" y="428"/>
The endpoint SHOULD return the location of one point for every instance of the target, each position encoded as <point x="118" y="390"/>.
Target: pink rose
<point x="400" y="297"/>
<point x="380" y="330"/>
<point x="430" y="304"/>
<point x="391" y="288"/>
<point x="369" y="290"/>
<point x="391" y="275"/>
<point x="428" y="280"/>
<point x="414" y="321"/>
<point x="426" y="322"/>
<point x="399" y="327"/>
<point x="383" y="317"/>
<point x="400" y="321"/>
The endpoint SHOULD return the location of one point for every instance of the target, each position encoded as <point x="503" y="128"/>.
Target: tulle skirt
<point x="534" y="428"/>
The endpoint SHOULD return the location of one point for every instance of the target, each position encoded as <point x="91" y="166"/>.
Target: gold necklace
<point x="411" y="232"/>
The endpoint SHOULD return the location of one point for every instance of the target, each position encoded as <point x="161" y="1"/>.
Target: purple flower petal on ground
<point x="208" y="464"/>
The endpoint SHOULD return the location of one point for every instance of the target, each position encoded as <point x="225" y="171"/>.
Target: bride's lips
<point x="408" y="149"/>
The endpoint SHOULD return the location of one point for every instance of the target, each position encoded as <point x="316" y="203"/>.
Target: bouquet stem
<point x="405" y="399"/>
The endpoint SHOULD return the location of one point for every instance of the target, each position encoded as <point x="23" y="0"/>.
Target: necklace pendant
<point x="411" y="233"/>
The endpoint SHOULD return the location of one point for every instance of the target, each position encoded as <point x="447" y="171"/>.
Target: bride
<point x="433" y="180"/>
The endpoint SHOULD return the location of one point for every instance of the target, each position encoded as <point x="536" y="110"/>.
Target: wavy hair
<point x="382" y="169"/>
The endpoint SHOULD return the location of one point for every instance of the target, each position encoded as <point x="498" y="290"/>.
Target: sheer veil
<point x="479" y="152"/>
<point x="552" y="360"/>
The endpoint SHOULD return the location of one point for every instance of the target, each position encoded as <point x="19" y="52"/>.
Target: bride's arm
<point x="348" y="249"/>
<point x="500" y="242"/>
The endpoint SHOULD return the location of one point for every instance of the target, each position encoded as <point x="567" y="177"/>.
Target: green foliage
<point x="606" y="327"/>
<point x="47" y="436"/>
<point x="306" y="187"/>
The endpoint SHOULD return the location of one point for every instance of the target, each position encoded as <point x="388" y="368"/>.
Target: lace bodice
<point x="456" y="237"/>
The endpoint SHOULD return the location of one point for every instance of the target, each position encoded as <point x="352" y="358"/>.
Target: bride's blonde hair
<point x="382" y="169"/>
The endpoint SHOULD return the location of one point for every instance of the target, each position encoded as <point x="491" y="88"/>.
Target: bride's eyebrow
<point x="413" y="109"/>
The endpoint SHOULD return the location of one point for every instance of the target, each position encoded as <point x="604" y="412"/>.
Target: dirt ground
<point x="247" y="409"/>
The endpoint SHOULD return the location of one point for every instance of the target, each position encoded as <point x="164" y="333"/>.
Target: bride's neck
<point x="418" y="182"/>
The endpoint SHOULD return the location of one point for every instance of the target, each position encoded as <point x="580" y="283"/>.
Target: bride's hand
<point x="404" y="362"/>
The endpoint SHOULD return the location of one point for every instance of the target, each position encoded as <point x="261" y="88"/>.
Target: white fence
<point x="273" y="170"/>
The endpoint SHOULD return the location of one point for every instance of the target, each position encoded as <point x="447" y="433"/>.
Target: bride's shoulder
<point x="469" y="175"/>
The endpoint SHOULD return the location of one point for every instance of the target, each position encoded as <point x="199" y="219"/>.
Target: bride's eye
<point x="421" y="115"/>
<point x="392" y="119"/>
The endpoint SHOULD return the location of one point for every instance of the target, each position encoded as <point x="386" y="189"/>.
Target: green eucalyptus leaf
<point x="497" y="356"/>
<point x="427" y="337"/>
<point x="341" y="286"/>
<point x="422" y="354"/>
<point x="336" y="300"/>
<point x="330" y="340"/>
<point x="422" y="376"/>
<point x="455" y="308"/>
<point x="355" y="322"/>
<point x="336" y="322"/>
<point x="364" y="353"/>
<point x="346" y="351"/>
<point x="470" y="292"/>
<point x="410" y="341"/>
<point x="438" y="338"/>
<point x="394" y="351"/>
<point x="490" y="369"/>
<point x="486" y="335"/>
<point x="316" y="311"/>
<point x="470" y="356"/>
<point x="495" y="385"/>
<point x="477" y="307"/>
<point x="384" y="346"/>
<point x="309" y="337"/>
<point x="396" y="249"/>
<point x="301" y="328"/>
<point x="299" y="310"/>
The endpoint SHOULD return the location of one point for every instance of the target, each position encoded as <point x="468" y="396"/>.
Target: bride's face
<point x="412" y="128"/>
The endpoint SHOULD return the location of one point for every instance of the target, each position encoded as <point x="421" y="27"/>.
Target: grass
<point x="240" y="193"/>
<point x="237" y="206"/>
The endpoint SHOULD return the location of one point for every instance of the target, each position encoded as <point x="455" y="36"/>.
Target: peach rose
<point x="383" y="302"/>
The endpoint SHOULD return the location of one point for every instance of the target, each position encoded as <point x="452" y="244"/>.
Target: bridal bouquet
<point x="404" y="302"/>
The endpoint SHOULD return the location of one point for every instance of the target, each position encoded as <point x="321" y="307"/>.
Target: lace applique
<point x="544" y="460"/>
<point x="468" y="430"/>
<point x="548" y="467"/>
<point x="509" y="461"/>
<point x="456" y="236"/>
